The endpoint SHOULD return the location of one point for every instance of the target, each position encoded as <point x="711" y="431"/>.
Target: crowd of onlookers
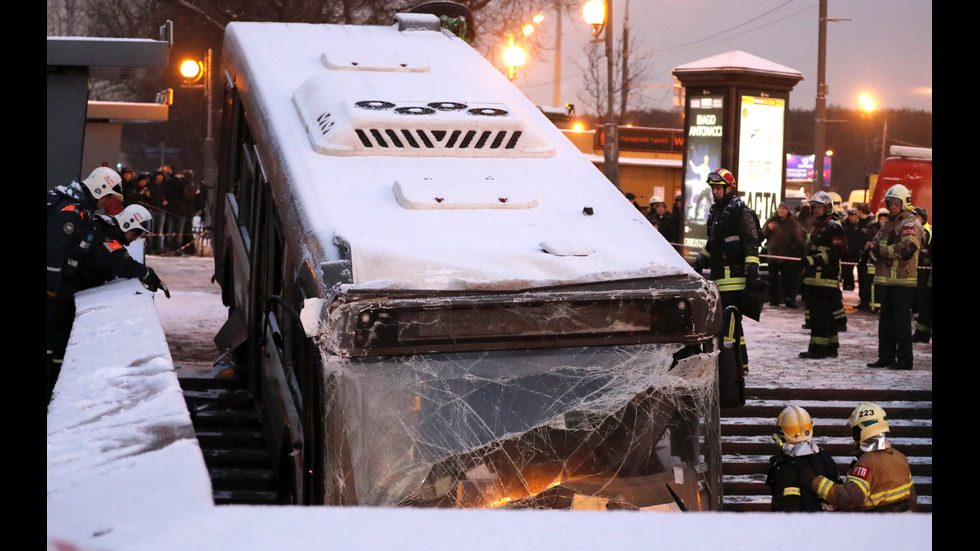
<point x="173" y="199"/>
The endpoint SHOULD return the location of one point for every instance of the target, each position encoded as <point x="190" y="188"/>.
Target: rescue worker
<point x="796" y="450"/>
<point x="880" y="217"/>
<point x="923" y="290"/>
<point x="895" y="250"/>
<point x="69" y="233"/>
<point x="821" y="277"/>
<point x="866" y="229"/>
<point x="731" y="251"/>
<point x="109" y="258"/>
<point x="879" y="480"/>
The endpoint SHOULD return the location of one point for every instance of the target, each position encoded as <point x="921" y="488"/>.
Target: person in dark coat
<point x="137" y="192"/>
<point x="785" y="242"/>
<point x="662" y="219"/>
<point x="855" y="248"/>
<point x="158" y="205"/>
<point x="70" y="213"/>
<point x="796" y="451"/>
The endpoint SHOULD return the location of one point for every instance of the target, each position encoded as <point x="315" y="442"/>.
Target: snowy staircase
<point x="229" y="431"/>
<point x="747" y="431"/>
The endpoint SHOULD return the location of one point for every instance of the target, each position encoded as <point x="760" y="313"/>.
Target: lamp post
<point x="599" y="14"/>
<point x="193" y="72"/>
<point x="869" y="105"/>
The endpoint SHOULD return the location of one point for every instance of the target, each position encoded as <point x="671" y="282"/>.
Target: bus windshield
<point x="614" y="427"/>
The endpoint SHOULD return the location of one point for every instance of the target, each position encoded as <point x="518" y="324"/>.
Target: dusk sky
<point x="879" y="47"/>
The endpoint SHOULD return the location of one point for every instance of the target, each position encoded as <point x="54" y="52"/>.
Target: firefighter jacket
<point x="783" y="479"/>
<point x="69" y="232"/>
<point x="896" y="250"/>
<point x="825" y="245"/>
<point x="879" y="481"/>
<point x="925" y="251"/>
<point x="109" y="258"/>
<point x="732" y="248"/>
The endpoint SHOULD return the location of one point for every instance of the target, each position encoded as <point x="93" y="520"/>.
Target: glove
<point x="701" y="262"/>
<point x="806" y="477"/>
<point x="150" y="280"/>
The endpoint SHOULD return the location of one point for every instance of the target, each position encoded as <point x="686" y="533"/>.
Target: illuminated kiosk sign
<point x="704" y="145"/>
<point x="760" y="153"/>
<point x="753" y="95"/>
<point x="799" y="169"/>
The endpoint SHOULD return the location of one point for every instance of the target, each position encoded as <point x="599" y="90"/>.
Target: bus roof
<point x="363" y="128"/>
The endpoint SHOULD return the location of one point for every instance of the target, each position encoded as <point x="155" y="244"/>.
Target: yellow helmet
<point x="867" y="421"/>
<point x="795" y="424"/>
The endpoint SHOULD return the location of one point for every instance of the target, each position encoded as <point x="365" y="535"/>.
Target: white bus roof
<point x="368" y="124"/>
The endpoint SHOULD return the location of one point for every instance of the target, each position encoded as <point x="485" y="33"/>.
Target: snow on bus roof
<point x="360" y="180"/>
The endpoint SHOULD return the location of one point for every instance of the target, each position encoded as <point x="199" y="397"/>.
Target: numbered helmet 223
<point x="867" y="421"/>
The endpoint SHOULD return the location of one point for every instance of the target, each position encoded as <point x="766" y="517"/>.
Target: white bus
<point x="436" y="299"/>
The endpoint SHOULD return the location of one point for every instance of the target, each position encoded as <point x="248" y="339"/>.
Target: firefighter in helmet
<point x="732" y="248"/>
<point x="821" y="277"/>
<point x="879" y="480"/>
<point x="796" y="450"/>
<point x="895" y="250"/>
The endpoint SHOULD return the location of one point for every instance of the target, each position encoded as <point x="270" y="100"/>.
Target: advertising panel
<point x="799" y="169"/>
<point x="704" y="146"/>
<point x="760" y="153"/>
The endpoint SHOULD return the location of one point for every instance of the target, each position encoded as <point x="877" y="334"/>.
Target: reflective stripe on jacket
<point x="897" y="246"/>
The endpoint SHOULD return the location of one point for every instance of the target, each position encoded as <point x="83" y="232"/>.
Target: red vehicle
<point x="911" y="167"/>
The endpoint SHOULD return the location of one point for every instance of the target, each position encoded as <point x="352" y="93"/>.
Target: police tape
<point x="791" y="258"/>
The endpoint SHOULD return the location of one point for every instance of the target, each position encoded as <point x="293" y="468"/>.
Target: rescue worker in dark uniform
<point x="821" y="277"/>
<point x="879" y="480"/>
<point x="875" y="303"/>
<point x="796" y="450"/>
<point x="866" y="227"/>
<point x="923" y="290"/>
<point x="109" y="258"/>
<point x="70" y="212"/>
<point x="895" y="250"/>
<point x="731" y="250"/>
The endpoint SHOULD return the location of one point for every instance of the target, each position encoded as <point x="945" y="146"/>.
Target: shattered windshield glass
<point x="599" y="427"/>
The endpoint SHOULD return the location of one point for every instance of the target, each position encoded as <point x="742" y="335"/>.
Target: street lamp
<point x="869" y="105"/>
<point x="193" y="71"/>
<point x="514" y="57"/>
<point x="599" y="14"/>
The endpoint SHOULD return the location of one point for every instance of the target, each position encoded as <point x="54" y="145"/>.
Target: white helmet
<point x="901" y="193"/>
<point x="823" y="197"/>
<point x="135" y="217"/>
<point x="104" y="181"/>
<point x="867" y="420"/>
<point x="657" y="201"/>
<point x="795" y="424"/>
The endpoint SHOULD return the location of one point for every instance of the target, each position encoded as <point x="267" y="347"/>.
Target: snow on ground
<point x="124" y="472"/>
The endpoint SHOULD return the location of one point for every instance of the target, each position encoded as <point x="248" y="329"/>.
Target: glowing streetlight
<point x="599" y="14"/>
<point x="869" y="105"/>
<point x="514" y="57"/>
<point x="191" y="70"/>
<point x="594" y="13"/>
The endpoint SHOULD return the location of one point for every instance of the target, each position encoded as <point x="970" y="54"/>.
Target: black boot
<point x="880" y="363"/>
